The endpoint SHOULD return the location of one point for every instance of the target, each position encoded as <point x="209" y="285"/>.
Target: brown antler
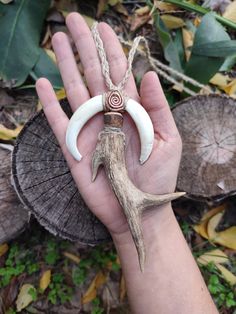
<point x="110" y="152"/>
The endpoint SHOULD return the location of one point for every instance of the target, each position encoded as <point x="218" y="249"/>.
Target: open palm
<point x="158" y="175"/>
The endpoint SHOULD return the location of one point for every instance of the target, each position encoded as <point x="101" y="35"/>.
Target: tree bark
<point x="207" y="126"/>
<point x="13" y="215"/>
<point x="45" y="185"/>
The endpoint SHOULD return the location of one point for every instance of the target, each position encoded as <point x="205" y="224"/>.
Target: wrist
<point x="154" y="221"/>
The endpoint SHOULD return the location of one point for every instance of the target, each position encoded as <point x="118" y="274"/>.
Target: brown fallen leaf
<point x="3" y="249"/>
<point x="9" y="134"/>
<point x="9" y="293"/>
<point x="102" y="5"/>
<point x="172" y="22"/>
<point x="45" y="280"/>
<point x="24" y="297"/>
<point x="91" y="292"/>
<point x="139" y="19"/>
<point x="121" y="9"/>
<point x="72" y="257"/>
<point x="5" y="99"/>
<point x="226" y="238"/>
<point x="122" y="288"/>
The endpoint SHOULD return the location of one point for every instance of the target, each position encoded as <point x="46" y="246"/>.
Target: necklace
<point x="110" y="149"/>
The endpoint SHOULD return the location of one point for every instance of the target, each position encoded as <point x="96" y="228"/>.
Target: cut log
<point x="45" y="185"/>
<point x="13" y="215"/>
<point x="207" y="126"/>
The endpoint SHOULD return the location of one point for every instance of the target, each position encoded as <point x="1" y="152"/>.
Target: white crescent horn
<point x="144" y="126"/>
<point x="85" y="112"/>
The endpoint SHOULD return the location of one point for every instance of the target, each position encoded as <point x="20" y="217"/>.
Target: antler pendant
<point x="110" y="152"/>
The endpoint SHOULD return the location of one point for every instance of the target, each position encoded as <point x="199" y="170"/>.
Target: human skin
<point x="171" y="281"/>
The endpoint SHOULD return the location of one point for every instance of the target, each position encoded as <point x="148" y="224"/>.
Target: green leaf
<point x="217" y="49"/>
<point x="178" y="41"/>
<point x="20" y="27"/>
<point x="47" y="68"/>
<point x="170" y="50"/>
<point x="203" y="67"/>
<point x="228" y="64"/>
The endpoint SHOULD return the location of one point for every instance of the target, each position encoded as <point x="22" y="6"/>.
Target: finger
<point x="116" y="59"/>
<point x="52" y="109"/>
<point x="88" y="53"/>
<point x="76" y="91"/>
<point x="154" y="101"/>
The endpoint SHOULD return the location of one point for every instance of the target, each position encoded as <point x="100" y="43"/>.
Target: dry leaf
<point x="226" y="238"/>
<point x="5" y="99"/>
<point x="9" y="134"/>
<point x="46" y="42"/>
<point x="51" y="54"/>
<point x="3" y="249"/>
<point x="216" y="256"/>
<point x="121" y="9"/>
<point x="139" y="19"/>
<point x="163" y="6"/>
<point x="230" y="88"/>
<point x="172" y="22"/>
<point x="220" y="80"/>
<point x="114" y="2"/>
<point x="142" y="10"/>
<point x="72" y="257"/>
<point x="24" y="297"/>
<point x="197" y="21"/>
<point x="188" y="37"/>
<point x="91" y="293"/>
<point x="102" y="5"/>
<point x="202" y="227"/>
<point x="45" y="280"/>
<point x="230" y="277"/>
<point x="61" y="94"/>
<point x="230" y="12"/>
<point x="122" y="288"/>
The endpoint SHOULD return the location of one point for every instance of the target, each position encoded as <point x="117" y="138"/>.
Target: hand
<point x="158" y="175"/>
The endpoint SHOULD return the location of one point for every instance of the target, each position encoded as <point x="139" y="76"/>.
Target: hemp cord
<point x="158" y="66"/>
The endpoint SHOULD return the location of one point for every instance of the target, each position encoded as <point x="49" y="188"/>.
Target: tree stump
<point x="45" y="185"/>
<point x="207" y="126"/>
<point x="13" y="215"/>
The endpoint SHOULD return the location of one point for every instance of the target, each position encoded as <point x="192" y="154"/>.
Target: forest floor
<point x="42" y="273"/>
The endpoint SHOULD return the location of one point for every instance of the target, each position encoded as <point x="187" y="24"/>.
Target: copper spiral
<point x="114" y="101"/>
